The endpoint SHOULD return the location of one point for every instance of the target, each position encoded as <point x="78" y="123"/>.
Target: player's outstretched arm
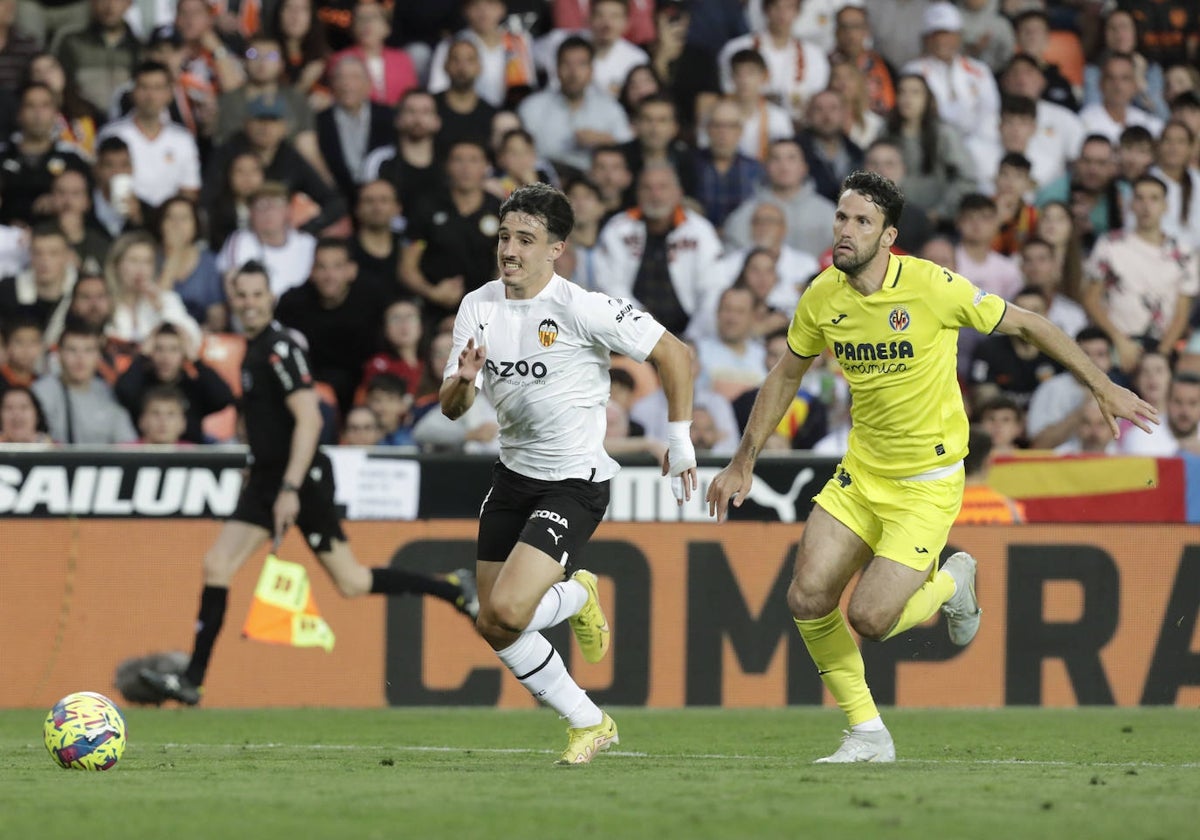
<point x="1114" y="400"/>
<point x="457" y="393"/>
<point x="673" y="361"/>
<point x="776" y="394"/>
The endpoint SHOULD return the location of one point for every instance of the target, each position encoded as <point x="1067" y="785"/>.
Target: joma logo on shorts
<point x="551" y="515"/>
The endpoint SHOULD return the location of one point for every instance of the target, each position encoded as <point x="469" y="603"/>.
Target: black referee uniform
<point x="274" y="368"/>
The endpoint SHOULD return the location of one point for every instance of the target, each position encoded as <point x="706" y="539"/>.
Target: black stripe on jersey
<point x="899" y="268"/>
<point x="1002" y="314"/>
<point x="798" y="356"/>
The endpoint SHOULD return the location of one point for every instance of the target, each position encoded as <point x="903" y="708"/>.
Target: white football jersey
<point x="546" y="372"/>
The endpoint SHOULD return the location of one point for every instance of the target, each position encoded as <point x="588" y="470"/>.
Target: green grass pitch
<point x="1132" y="774"/>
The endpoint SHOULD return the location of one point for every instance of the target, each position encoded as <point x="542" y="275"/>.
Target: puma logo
<point x="557" y="537"/>
<point x="783" y="504"/>
<point x="839" y="318"/>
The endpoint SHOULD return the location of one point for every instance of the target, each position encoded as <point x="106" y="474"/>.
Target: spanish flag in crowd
<point x="283" y="610"/>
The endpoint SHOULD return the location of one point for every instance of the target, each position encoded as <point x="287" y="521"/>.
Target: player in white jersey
<point x="539" y="346"/>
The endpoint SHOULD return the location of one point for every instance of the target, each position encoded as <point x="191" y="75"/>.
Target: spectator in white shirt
<point x="1059" y="133"/>
<point x="270" y="239"/>
<point x="733" y="361"/>
<point x="763" y="122"/>
<point x="964" y="87"/>
<point x="570" y="122"/>
<point x="1180" y="433"/>
<point x="615" y="56"/>
<point x="505" y="58"/>
<point x="1092" y="435"/>
<point x="796" y="69"/>
<point x="1115" y="111"/>
<point x="140" y="303"/>
<point x="1141" y="284"/>
<point x="165" y="158"/>
<point x="978" y="224"/>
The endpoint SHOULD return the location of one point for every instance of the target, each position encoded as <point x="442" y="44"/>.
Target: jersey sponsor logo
<point x="899" y="320"/>
<point x="521" y="367"/>
<point x="542" y="513"/>
<point x="547" y="332"/>
<point x="980" y="294"/>
<point x="872" y="352"/>
<point x="623" y="308"/>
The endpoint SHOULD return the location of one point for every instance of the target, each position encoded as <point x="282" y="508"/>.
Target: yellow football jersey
<point x="898" y="349"/>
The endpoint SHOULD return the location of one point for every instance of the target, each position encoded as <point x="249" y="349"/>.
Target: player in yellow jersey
<point x="892" y="323"/>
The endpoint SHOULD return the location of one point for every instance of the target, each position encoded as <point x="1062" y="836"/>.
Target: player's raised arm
<point x="778" y="390"/>
<point x="1114" y="400"/>
<point x="673" y="361"/>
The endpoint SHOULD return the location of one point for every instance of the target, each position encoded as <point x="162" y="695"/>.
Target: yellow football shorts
<point x="903" y="520"/>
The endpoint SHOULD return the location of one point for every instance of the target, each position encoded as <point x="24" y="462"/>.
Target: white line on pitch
<point x="416" y="748"/>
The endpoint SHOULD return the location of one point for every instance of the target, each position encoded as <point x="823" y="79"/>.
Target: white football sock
<point x="875" y="724"/>
<point x="561" y="601"/>
<point x="537" y="666"/>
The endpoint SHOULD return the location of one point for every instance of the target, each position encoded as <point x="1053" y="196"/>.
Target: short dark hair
<point x="879" y="191"/>
<point x="166" y="328"/>
<point x="585" y="182"/>
<point x="517" y="133"/>
<point x="1136" y="135"/>
<point x="622" y="377"/>
<point x="1030" y="14"/>
<point x="1097" y="138"/>
<point x="1036" y="242"/>
<point x="18" y="322"/>
<point x="975" y="201"/>
<point x="252" y="267"/>
<point x="574" y="42"/>
<point x="388" y="383"/>
<point x="1021" y="106"/>
<point x="1187" y="99"/>
<point x="334" y="243"/>
<point x="1028" y="289"/>
<point x="48" y="229"/>
<point x="165" y="393"/>
<point x="748" y="57"/>
<point x="111" y="144"/>
<point x="979" y="449"/>
<point x="148" y="67"/>
<point x="1092" y="333"/>
<point x="656" y="99"/>
<point x="1017" y="161"/>
<point x="1182" y="378"/>
<point x="1147" y="178"/>
<point x="999" y="403"/>
<point x="78" y="327"/>
<point x="545" y="202"/>
<point x="1022" y="58"/>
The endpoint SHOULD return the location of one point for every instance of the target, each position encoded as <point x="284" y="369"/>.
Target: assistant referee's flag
<point x="283" y="610"/>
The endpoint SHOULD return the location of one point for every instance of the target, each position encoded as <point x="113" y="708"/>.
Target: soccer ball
<point x="85" y="731"/>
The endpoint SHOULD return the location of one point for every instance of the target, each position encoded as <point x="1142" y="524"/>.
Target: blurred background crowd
<point x="1049" y="152"/>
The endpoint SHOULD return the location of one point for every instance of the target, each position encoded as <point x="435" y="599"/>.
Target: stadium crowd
<point x="1049" y="151"/>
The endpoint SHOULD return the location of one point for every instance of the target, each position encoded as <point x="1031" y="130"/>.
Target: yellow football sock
<point x="840" y="664"/>
<point x="924" y="602"/>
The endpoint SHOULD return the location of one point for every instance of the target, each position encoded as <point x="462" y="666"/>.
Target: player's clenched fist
<point x="470" y="360"/>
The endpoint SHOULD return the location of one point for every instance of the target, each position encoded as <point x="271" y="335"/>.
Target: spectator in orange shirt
<point x="981" y="504"/>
